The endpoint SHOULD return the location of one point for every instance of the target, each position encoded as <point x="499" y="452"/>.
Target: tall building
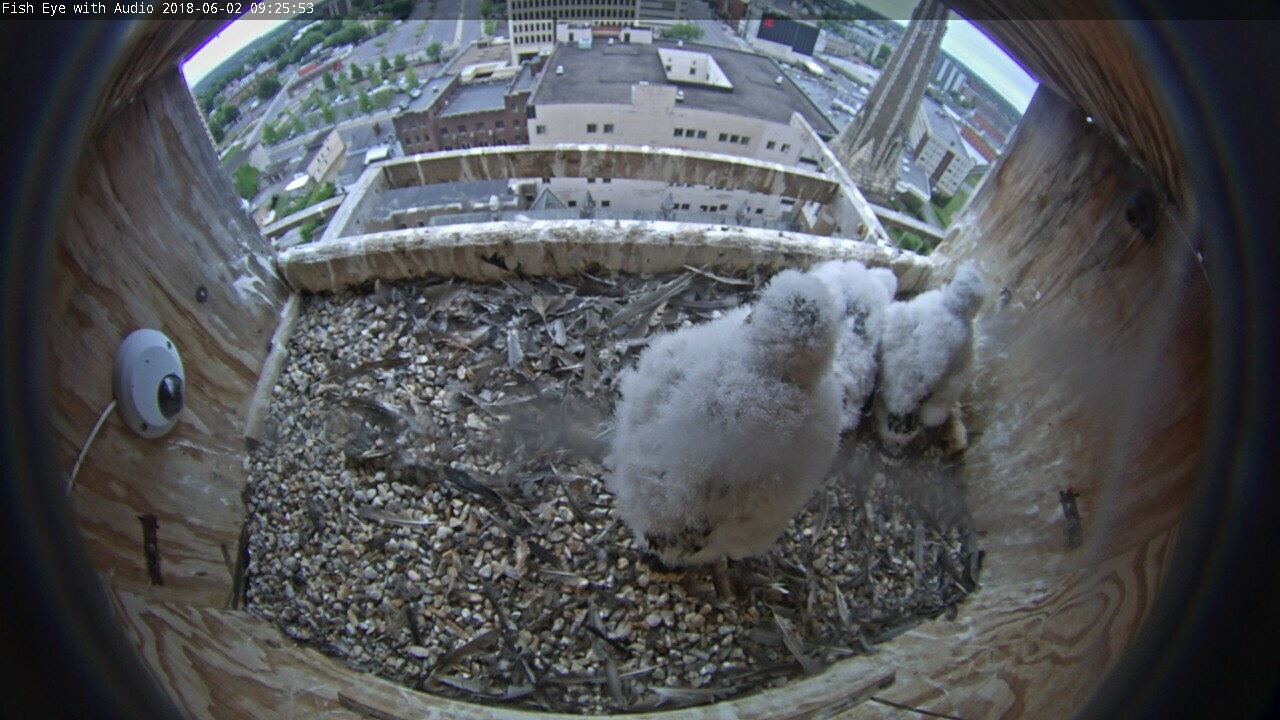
<point x="948" y="75"/>
<point x="533" y="22"/>
<point x="871" y="146"/>
<point x="938" y="148"/>
<point x="694" y="97"/>
<point x="697" y="97"/>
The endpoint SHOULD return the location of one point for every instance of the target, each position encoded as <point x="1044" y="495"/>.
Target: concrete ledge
<point x="630" y="162"/>
<point x="491" y="251"/>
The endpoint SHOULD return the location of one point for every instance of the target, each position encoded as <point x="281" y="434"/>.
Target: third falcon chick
<point x="925" y="350"/>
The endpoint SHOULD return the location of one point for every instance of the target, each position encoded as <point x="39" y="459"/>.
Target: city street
<point x="714" y="31"/>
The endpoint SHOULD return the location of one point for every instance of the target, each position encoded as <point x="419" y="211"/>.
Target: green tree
<point x="270" y="134"/>
<point x="356" y="73"/>
<point x="433" y="51"/>
<point x="363" y="102"/>
<point x="350" y="34"/>
<point x="411" y="78"/>
<point x="245" y="178"/>
<point x="298" y="127"/>
<point x="375" y="76"/>
<point x="682" y="31"/>
<point x="308" y="229"/>
<point x="344" y="85"/>
<point x="384" y="64"/>
<point x="329" y="83"/>
<point x="327" y="113"/>
<point x="882" y="55"/>
<point x="380" y="26"/>
<point x="400" y="61"/>
<point x="267" y="87"/>
<point x="382" y="98"/>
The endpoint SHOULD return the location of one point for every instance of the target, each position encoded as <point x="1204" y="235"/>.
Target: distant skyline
<point x="963" y="41"/>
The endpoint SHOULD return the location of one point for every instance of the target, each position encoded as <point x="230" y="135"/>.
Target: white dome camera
<point x="149" y="383"/>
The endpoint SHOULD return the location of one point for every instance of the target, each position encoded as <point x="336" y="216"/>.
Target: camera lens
<point x="169" y="395"/>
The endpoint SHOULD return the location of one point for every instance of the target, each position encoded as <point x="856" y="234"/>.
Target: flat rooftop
<point x="431" y="91"/>
<point x="441" y="194"/>
<point x="605" y="73"/>
<point x="480" y="97"/>
<point x="941" y="125"/>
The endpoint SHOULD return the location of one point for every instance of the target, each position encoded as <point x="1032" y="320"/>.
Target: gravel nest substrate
<point x="429" y="507"/>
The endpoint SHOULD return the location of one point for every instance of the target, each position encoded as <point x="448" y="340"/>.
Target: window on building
<point x="608" y="127"/>
<point x="759" y="211"/>
<point x="770" y="145"/>
<point x="723" y="207"/>
<point x="733" y="139"/>
<point x="684" y="206"/>
<point x="604" y="203"/>
<point x="591" y="181"/>
<point x="591" y="127"/>
<point x="462" y="128"/>
<point x="606" y="180"/>
<point x="724" y="137"/>
<point x="745" y="140"/>
<point x="541" y="130"/>
<point x="499" y="124"/>
<point x="479" y="126"/>
<point x="444" y="132"/>
<point x="693" y="71"/>
<point x="786" y="147"/>
<point x="572" y="203"/>
<point x="702" y="134"/>
<point x="679" y="132"/>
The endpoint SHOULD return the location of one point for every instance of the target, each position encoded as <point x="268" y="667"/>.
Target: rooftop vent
<point x="559" y="69"/>
<point x="679" y="96"/>
<point x="679" y="43"/>
<point x="777" y="80"/>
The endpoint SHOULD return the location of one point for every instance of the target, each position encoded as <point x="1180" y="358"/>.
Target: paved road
<point x="714" y="31"/>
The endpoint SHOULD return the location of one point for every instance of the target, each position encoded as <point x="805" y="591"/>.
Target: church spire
<point x="871" y="146"/>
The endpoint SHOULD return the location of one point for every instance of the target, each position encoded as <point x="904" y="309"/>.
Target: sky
<point x="226" y="43"/>
<point x="964" y="41"/>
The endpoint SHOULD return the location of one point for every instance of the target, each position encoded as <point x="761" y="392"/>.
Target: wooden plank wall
<point x="1080" y="51"/>
<point x="152" y="220"/>
<point x="1092" y="377"/>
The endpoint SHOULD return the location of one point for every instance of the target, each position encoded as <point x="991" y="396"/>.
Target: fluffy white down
<point x="925" y="349"/>
<point x="725" y="429"/>
<point x="862" y="294"/>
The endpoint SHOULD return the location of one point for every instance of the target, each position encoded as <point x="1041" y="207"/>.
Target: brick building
<point x="452" y="115"/>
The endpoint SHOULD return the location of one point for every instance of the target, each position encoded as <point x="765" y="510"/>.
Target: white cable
<point x="84" y="450"/>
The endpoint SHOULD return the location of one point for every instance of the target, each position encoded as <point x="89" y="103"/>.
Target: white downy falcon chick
<point x="925" y="350"/>
<point x="862" y="294"/>
<point x="725" y="429"/>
